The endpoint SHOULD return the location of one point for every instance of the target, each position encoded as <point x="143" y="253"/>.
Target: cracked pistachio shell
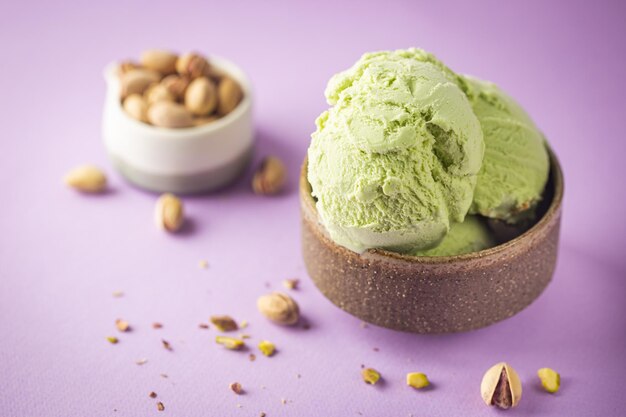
<point x="270" y="176"/>
<point x="501" y="386"/>
<point x="192" y="65"/>
<point x="176" y="85"/>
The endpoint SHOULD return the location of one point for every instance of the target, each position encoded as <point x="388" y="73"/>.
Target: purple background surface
<point x="63" y="254"/>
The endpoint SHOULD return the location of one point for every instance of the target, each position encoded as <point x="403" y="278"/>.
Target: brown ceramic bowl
<point x="435" y="294"/>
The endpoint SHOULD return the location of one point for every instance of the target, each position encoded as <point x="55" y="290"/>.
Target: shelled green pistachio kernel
<point x="267" y="348"/>
<point x="370" y="376"/>
<point x="417" y="380"/>
<point x="230" y="342"/>
<point x="550" y="379"/>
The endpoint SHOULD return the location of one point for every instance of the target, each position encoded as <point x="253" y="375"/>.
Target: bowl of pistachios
<point x="178" y="123"/>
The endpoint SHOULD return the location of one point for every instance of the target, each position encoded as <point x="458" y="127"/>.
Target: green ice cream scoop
<point x="516" y="165"/>
<point x="472" y="235"/>
<point x="396" y="157"/>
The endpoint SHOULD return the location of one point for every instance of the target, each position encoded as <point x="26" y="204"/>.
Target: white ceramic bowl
<point x="189" y="160"/>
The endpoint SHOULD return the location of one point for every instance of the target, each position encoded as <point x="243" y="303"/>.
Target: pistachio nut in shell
<point x="501" y="386"/>
<point x="229" y="95"/>
<point x="136" y="107"/>
<point x="176" y="85"/>
<point x="279" y="308"/>
<point x="270" y="176"/>
<point x="158" y="92"/>
<point x="201" y="96"/>
<point x="136" y="81"/>
<point x="159" y="60"/>
<point x="169" y="213"/>
<point x="192" y="64"/>
<point x="170" y="115"/>
<point x="86" y="178"/>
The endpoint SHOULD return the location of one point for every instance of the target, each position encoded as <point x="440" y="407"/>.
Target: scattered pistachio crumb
<point x="152" y="394"/>
<point x="243" y="324"/>
<point x="417" y="380"/>
<point x="291" y="284"/>
<point x="236" y="388"/>
<point x="283" y="401"/>
<point x="230" y="342"/>
<point x="160" y="406"/>
<point x="224" y="323"/>
<point x="166" y="345"/>
<point x="157" y="325"/>
<point x="112" y="339"/>
<point x="370" y="375"/>
<point x="267" y="348"/>
<point x="203" y="264"/>
<point x="550" y="379"/>
<point x="141" y="361"/>
<point x="118" y="294"/>
<point x="262" y="414"/>
<point x="244" y="336"/>
<point x="164" y="376"/>
<point x="203" y="326"/>
<point x="122" y="325"/>
<point x="252" y="357"/>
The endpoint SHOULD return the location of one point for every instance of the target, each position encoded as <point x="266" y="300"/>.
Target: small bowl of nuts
<point x="178" y="123"/>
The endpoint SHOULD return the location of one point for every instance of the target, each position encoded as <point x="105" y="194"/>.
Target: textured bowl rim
<point x="553" y="210"/>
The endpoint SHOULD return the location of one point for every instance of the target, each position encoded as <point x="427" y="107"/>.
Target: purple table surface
<point x="63" y="254"/>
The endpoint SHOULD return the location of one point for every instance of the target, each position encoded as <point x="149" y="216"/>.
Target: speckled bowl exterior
<point x="435" y="294"/>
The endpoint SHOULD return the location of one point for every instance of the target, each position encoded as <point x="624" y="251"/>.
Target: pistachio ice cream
<point x="471" y="235"/>
<point x="515" y="168"/>
<point x="395" y="158"/>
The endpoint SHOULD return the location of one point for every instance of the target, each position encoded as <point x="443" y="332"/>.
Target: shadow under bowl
<point x="435" y="294"/>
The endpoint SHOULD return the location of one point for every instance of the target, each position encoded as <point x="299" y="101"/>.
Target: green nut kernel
<point x="370" y="376"/>
<point x="550" y="379"/>
<point x="417" y="380"/>
<point x="267" y="348"/>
